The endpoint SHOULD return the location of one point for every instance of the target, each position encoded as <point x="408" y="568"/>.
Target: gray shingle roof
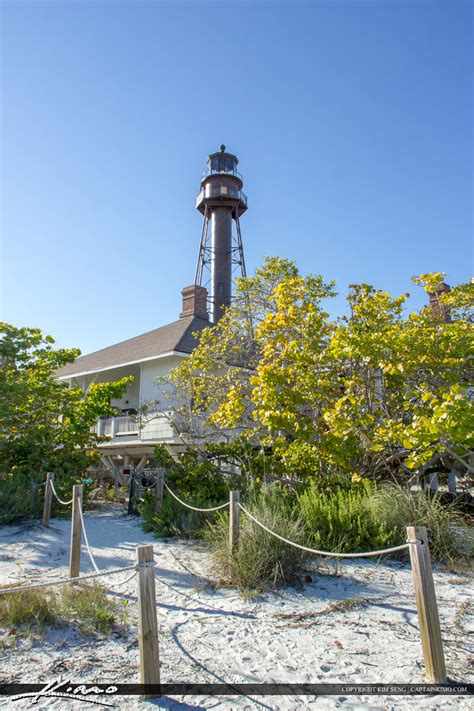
<point x="176" y="336"/>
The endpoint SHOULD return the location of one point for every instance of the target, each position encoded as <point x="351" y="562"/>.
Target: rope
<point x="64" y="503"/>
<point x="127" y="580"/>
<point x="194" y="508"/>
<point x="53" y="583"/>
<point x="91" y="556"/>
<point x="325" y="553"/>
<point x="94" y="564"/>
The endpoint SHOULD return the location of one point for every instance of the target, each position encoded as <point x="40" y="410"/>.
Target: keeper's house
<point x="131" y="439"/>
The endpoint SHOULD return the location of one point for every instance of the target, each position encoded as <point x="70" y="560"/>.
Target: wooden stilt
<point x="452" y="483"/>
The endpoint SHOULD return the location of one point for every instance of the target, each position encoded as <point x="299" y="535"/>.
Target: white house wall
<point x="153" y="391"/>
<point x="143" y="389"/>
<point x="131" y="397"/>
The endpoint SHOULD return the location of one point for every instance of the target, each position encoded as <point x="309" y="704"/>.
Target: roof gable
<point x="176" y="336"/>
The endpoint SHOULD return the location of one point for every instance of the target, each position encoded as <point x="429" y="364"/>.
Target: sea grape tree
<point x="377" y="392"/>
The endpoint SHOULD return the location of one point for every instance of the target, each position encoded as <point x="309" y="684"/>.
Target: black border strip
<point x="109" y="689"/>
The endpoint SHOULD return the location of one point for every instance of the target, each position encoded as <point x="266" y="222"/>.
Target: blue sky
<point x="352" y="122"/>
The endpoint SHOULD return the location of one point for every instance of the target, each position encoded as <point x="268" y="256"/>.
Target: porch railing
<point x="153" y="427"/>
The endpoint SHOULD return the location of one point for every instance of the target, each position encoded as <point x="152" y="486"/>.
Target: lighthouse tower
<point x="221" y="201"/>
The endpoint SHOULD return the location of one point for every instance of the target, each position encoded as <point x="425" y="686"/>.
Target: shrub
<point x="90" y="606"/>
<point x="15" y="498"/>
<point x="343" y="521"/>
<point x="261" y="560"/>
<point x="173" y="519"/>
<point x="194" y="476"/>
<point x="399" y="508"/>
<point x="195" y="479"/>
<point x="16" y="493"/>
<point x="30" y="607"/>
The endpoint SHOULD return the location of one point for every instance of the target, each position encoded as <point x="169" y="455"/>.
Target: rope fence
<point x="235" y="525"/>
<point x="194" y="508"/>
<point x="78" y="531"/>
<point x="137" y="488"/>
<point x="329" y="554"/>
<point x="65" y="581"/>
<point x="93" y="560"/>
<point x="64" y="503"/>
<point x="124" y="582"/>
<point x="417" y="544"/>
<point x="86" y="541"/>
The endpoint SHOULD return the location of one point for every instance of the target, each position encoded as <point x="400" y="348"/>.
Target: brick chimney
<point x="194" y="302"/>
<point x="438" y="309"/>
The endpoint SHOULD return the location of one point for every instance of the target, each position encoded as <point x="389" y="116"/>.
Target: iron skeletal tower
<point x="221" y="201"/>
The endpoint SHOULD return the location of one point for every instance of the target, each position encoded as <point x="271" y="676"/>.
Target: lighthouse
<point x="221" y="201"/>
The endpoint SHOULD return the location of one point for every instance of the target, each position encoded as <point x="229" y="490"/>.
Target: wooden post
<point x="159" y="488"/>
<point x="120" y="478"/>
<point x="131" y="492"/>
<point x="147" y="619"/>
<point x="76" y="532"/>
<point x="426" y="605"/>
<point x="433" y="480"/>
<point x="48" y="499"/>
<point x="234" y="519"/>
<point x="138" y="488"/>
<point x="452" y="484"/>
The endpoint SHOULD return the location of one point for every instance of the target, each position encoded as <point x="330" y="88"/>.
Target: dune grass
<point x="88" y="606"/>
<point x="30" y="607"/>
<point x="399" y="507"/>
<point x="261" y="560"/>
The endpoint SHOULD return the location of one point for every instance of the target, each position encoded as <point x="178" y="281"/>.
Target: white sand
<point x="209" y="635"/>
